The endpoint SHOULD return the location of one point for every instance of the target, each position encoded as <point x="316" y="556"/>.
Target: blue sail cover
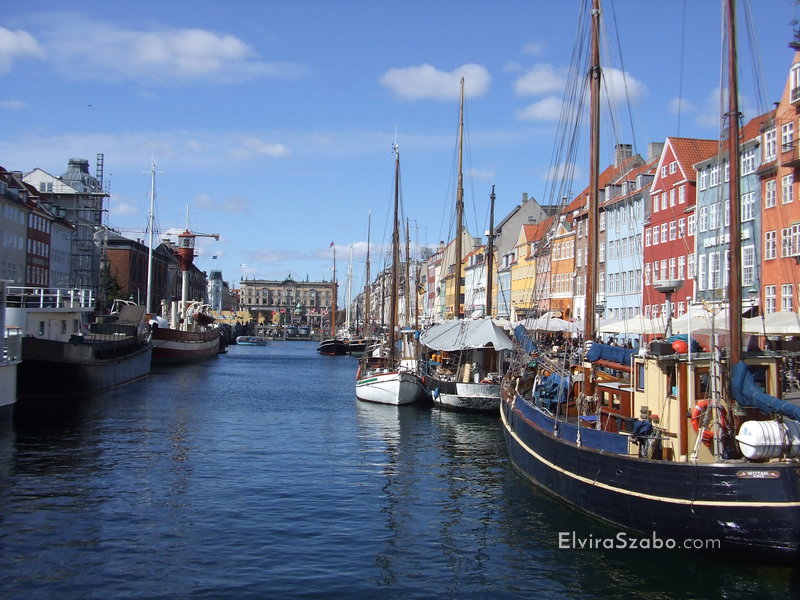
<point x="615" y="354"/>
<point x="747" y="393"/>
<point x="521" y="335"/>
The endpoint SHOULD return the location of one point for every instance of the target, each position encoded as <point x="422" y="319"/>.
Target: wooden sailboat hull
<point x="395" y="387"/>
<point x="332" y="347"/>
<point x="466" y="396"/>
<point x="172" y="346"/>
<point x="752" y="508"/>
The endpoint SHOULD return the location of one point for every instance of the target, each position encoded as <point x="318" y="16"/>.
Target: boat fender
<point x="435" y="393"/>
<point x="358" y="372"/>
<point x="486" y="380"/>
<point x="708" y="432"/>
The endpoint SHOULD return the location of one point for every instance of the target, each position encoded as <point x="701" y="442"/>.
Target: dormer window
<point x="794" y="83"/>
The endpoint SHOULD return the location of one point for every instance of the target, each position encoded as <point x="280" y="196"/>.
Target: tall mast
<point x="368" y="283"/>
<point x="334" y="293"/>
<point x="459" y="209"/>
<point x="735" y="270"/>
<point x="408" y="278"/>
<point x="349" y="286"/>
<point x="395" y="253"/>
<point x="150" y="220"/>
<point x="490" y="256"/>
<point x="595" y="73"/>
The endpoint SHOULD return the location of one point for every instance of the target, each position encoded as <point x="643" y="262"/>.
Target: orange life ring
<point x="708" y="432"/>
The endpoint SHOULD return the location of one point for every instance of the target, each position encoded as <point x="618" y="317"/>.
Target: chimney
<point x="654" y="150"/>
<point x="622" y="152"/>
<point x="524" y="198"/>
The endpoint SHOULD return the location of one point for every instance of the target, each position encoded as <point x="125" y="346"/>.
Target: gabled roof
<point x="688" y="152"/>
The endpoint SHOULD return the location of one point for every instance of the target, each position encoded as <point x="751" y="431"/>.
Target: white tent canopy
<point x="778" y="323"/>
<point x="461" y="334"/>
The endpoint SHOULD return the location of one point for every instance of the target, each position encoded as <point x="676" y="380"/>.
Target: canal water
<point x="259" y="475"/>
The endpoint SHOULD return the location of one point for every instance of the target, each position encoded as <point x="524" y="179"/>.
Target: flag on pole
<point x="331" y="246"/>
<point x="214" y="257"/>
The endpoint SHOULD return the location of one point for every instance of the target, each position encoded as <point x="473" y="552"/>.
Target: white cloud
<point x="621" y="86"/>
<point x="15" y="45"/>
<point x="249" y="146"/>
<point x="541" y="79"/>
<point x="158" y="55"/>
<point x="481" y="173"/>
<point x="13" y="104"/>
<point x="533" y="48"/>
<point x="122" y="209"/>
<point x="426" y="81"/>
<point x="547" y="109"/>
<point x="681" y="105"/>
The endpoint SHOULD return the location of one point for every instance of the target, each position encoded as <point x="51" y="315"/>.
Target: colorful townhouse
<point x="712" y="233"/>
<point x="623" y="213"/>
<point x="609" y="185"/>
<point x="669" y="228"/>
<point x="526" y="296"/>
<point x="780" y="210"/>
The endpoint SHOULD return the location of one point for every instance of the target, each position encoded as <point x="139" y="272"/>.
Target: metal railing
<point x="31" y="297"/>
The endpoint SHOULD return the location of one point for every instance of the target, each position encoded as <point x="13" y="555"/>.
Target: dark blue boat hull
<point x="748" y="507"/>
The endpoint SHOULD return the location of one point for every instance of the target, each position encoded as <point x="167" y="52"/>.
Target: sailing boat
<point x="463" y="370"/>
<point x="190" y="334"/>
<point x="334" y="345"/>
<point x="668" y="452"/>
<point x="387" y="379"/>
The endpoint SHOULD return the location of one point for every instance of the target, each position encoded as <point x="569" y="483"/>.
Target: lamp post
<point x="668" y="287"/>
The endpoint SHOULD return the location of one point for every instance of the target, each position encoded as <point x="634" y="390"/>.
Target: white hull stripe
<point x="642" y="495"/>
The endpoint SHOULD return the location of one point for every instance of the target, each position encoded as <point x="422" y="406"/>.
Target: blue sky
<point x="274" y="121"/>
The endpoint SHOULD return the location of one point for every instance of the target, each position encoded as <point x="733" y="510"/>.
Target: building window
<point x="702" y="224"/>
<point x="713" y="175"/>
<point x="673" y="166"/>
<point x="655" y="202"/>
<point x="787" y="298"/>
<point x="647" y="238"/>
<point x="770" y="245"/>
<point x="672" y="197"/>
<point x="681" y="228"/>
<point x="663" y="200"/>
<point x="748" y="265"/>
<point x="770" y="193"/>
<point x="701" y="272"/>
<point x="713" y="216"/>
<point x="702" y="182"/>
<point x="655" y="235"/>
<point x="682" y="195"/>
<point x="672" y="230"/>
<point x="786" y="188"/>
<point x="770" y="296"/>
<point x="748" y="206"/>
<point x="748" y="161"/>
<point x="787" y="136"/>
<point x="681" y="266"/>
<point x="770" y="145"/>
<point x="663" y="233"/>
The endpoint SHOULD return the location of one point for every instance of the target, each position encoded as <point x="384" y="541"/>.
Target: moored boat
<point x="63" y="355"/>
<point x="463" y="370"/>
<point x="9" y="359"/>
<point x="386" y="375"/>
<point x="251" y="340"/>
<point x="672" y="443"/>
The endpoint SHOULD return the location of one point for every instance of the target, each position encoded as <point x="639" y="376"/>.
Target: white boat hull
<point x="394" y="387"/>
<point x="470" y="396"/>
